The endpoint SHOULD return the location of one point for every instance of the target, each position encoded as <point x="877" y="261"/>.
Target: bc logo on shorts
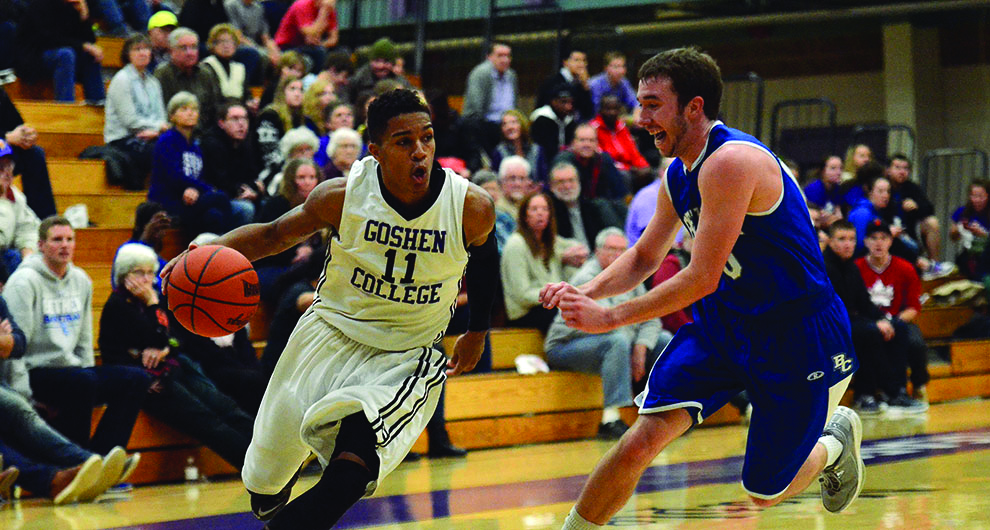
<point x="841" y="363"/>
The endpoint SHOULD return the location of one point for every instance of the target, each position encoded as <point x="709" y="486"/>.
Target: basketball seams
<point x="202" y="271"/>
<point x="225" y="278"/>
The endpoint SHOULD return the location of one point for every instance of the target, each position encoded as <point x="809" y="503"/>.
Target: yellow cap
<point x="161" y="19"/>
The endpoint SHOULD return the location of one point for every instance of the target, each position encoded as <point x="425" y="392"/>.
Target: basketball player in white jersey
<point x="359" y="378"/>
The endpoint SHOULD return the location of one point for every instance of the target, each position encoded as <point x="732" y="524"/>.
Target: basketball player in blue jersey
<point x="359" y="378"/>
<point x="766" y="319"/>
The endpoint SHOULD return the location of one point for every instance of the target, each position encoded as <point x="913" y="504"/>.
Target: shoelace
<point x="831" y="481"/>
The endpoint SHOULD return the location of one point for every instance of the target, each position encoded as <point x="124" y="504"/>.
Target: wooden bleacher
<point x="489" y="410"/>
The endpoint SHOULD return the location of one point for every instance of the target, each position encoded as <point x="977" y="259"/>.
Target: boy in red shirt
<point x="895" y="288"/>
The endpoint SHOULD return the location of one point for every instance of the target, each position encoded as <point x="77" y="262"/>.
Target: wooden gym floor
<point x="930" y="471"/>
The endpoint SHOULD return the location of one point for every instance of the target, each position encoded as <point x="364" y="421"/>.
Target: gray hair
<point x="293" y="138"/>
<point x="178" y="33"/>
<point x="610" y="231"/>
<point x="483" y="176"/>
<point x="514" y="160"/>
<point x="181" y="99"/>
<point x="339" y="136"/>
<point x="564" y="165"/>
<point x="129" y="257"/>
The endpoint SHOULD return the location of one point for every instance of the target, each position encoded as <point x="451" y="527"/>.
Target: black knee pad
<point x="357" y="437"/>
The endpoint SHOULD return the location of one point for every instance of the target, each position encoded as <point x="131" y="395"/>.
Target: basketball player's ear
<point x="374" y="150"/>
<point x="696" y="106"/>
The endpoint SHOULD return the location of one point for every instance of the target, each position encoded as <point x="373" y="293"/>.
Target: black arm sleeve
<point x="482" y="277"/>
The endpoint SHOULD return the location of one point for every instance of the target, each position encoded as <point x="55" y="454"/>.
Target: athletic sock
<point x="574" y="521"/>
<point x="833" y="448"/>
<point x="343" y="483"/>
<point x="610" y="414"/>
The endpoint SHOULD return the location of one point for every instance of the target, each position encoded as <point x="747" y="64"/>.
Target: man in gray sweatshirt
<point x="620" y="356"/>
<point x="51" y="300"/>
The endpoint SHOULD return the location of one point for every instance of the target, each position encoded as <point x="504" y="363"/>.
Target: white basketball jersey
<point x="389" y="282"/>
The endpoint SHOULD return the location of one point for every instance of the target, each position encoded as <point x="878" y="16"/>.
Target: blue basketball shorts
<point x="787" y="360"/>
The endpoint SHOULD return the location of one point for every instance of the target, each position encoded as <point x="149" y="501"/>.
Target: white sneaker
<point x="842" y="481"/>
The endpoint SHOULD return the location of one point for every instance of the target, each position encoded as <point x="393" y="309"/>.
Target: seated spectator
<point x="248" y="16"/>
<point x="342" y="152"/>
<point x="290" y="63"/>
<point x="150" y="223"/>
<point x="335" y="116"/>
<point x="176" y="174"/>
<point x="552" y="125"/>
<point x="18" y="224"/>
<point x="615" y="139"/>
<point x="285" y="113"/>
<point x="895" y="288"/>
<point x="574" y="72"/>
<point x="577" y="218"/>
<point x="870" y="328"/>
<point x="50" y="299"/>
<point x="230" y="74"/>
<point x="316" y="99"/>
<point x="516" y="141"/>
<point x="599" y="176"/>
<point x="971" y="228"/>
<point x="231" y="162"/>
<point x="119" y="16"/>
<point x="29" y="158"/>
<point x="505" y="224"/>
<point x="134" y="332"/>
<point x="56" y="39"/>
<point x="309" y="27"/>
<point x="183" y="73"/>
<point x="300" y="177"/>
<point x="857" y="156"/>
<point x="911" y="205"/>
<point x="202" y="15"/>
<point x="826" y="193"/>
<point x="337" y="70"/>
<point x="534" y="256"/>
<point x="380" y="67"/>
<point x="514" y="179"/>
<point x="869" y="209"/>
<point x="297" y="143"/>
<point x="620" y="355"/>
<point x="160" y="26"/>
<point x="135" y="113"/>
<point x="613" y="82"/>
<point x="56" y="461"/>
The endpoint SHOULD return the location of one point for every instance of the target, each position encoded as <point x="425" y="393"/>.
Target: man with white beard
<point x="577" y="217"/>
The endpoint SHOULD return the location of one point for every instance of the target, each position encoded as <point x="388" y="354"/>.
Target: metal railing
<point x="945" y="178"/>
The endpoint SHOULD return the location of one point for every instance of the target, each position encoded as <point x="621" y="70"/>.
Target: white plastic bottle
<point x="191" y="471"/>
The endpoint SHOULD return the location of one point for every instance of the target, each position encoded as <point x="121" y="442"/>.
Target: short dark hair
<point x="225" y="107"/>
<point x="48" y="222"/>
<point x="134" y="40"/>
<point x="840" y="224"/>
<point x="339" y="62"/>
<point x="613" y="55"/>
<point x="692" y="73"/>
<point x="491" y="49"/>
<point x="389" y="105"/>
<point x="899" y="156"/>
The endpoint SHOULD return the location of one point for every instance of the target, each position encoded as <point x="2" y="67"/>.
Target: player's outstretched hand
<point x="467" y="351"/>
<point x="551" y="293"/>
<point x="583" y="313"/>
<point x="167" y="269"/>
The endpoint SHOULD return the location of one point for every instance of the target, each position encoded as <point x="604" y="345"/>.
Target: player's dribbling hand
<point x="167" y="269"/>
<point x="583" y="313"/>
<point x="551" y="293"/>
<point x="467" y="351"/>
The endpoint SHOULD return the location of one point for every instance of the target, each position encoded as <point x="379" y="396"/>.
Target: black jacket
<point x="227" y="167"/>
<point x="592" y="216"/>
<point x="848" y="284"/>
<point x="47" y="25"/>
<point x="582" y="96"/>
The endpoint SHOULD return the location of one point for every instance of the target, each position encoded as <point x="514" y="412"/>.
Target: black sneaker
<point x="907" y="404"/>
<point x="867" y="405"/>
<point x="264" y="507"/>
<point x="612" y="430"/>
<point x="446" y="450"/>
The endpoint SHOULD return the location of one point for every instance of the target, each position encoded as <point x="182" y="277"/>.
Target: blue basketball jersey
<point x="776" y="259"/>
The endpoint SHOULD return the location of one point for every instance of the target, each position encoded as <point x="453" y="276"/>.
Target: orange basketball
<point x="213" y="291"/>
